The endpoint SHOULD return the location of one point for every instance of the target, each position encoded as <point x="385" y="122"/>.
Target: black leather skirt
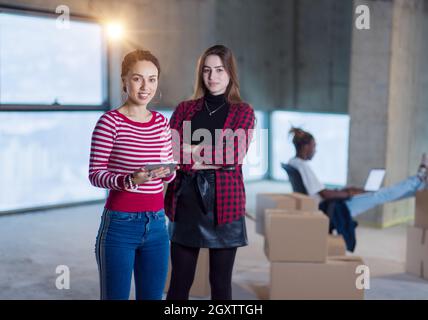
<point x="195" y="223"/>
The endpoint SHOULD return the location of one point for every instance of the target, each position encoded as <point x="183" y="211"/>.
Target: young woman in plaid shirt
<point x="206" y="202"/>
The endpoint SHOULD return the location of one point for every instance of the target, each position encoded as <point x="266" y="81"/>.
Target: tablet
<point x="152" y="166"/>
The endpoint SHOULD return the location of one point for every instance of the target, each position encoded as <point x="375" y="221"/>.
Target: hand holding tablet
<point x="152" y="171"/>
<point x="172" y="166"/>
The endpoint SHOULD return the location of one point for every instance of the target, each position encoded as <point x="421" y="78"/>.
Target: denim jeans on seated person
<point x="366" y="201"/>
<point x="132" y="242"/>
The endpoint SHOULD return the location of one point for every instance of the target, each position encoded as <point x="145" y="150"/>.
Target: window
<point x="331" y="132"/>
<point x="43" y="65"/>
<point x="45" y="71"/>
<point x="44" y="159"/>
<point x="256" y="162"/>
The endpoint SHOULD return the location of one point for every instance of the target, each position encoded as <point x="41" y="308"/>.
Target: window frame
<point x="105" y="59"/>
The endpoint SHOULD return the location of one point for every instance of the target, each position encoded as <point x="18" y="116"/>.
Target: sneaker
<point x="423" y="167"/>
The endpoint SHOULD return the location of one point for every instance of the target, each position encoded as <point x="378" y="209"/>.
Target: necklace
<point x="214" y="111"/>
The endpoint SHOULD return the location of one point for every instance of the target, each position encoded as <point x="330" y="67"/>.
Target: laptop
<point x="374" y="180"/>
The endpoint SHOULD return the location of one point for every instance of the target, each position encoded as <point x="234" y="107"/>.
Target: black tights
<point x="183" y="260"/>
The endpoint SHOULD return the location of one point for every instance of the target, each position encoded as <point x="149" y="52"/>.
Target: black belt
<point x="199" y="177"/>
<point x="203" y="186"/>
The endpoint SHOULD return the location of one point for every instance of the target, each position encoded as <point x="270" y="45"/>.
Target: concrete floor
<point x="34" y="244"/>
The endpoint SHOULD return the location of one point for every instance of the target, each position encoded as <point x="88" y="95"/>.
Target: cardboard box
<point x="421" y="209"/>
<point x="271" y="201"/>
<point x="296" y="236"/>
<point x="201" y="284"/>
<point x="336" y="279"/>
<point x="304" y="202"/>
<point x="417" y="252"/>
<point x="335" y="245"/>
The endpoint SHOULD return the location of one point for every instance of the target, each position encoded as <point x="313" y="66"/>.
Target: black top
<point x="219" y="109"/>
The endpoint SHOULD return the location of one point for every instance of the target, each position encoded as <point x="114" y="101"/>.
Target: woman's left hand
<point x="160" y="173"/>
<point x="195" y="150"/>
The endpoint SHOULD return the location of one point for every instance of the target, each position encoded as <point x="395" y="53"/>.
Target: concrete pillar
<point x="388" y="103"/>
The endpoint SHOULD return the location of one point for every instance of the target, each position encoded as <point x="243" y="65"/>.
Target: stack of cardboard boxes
<point x="293" y="201"/>
<point x="298" y="246"/>
<point x="417" y="242"/>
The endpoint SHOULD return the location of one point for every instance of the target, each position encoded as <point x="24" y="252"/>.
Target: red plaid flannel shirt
<point x="230" y="191"/>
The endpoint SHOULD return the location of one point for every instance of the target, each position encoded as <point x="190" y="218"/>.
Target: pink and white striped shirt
<point x="119" y="147"/>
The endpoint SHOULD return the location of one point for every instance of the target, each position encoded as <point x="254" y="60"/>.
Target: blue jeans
<point x="365" y="201"/>
<point x="128" y="242"/>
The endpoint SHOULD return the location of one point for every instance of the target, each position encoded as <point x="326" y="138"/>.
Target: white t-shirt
<point x="310" y="180"/>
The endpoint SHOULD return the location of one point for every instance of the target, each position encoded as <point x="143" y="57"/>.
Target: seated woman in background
<point x="357" y="200"/>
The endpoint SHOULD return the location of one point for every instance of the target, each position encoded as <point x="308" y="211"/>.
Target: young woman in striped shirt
<point x="132" y="236"/>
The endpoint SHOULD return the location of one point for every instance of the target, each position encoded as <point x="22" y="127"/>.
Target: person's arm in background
<point x="314" y="186"/>
<point x="329" y="194"/>
<point x="345" y="193"/>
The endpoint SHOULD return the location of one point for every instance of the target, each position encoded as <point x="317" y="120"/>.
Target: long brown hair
<point x="226" y="55"/>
